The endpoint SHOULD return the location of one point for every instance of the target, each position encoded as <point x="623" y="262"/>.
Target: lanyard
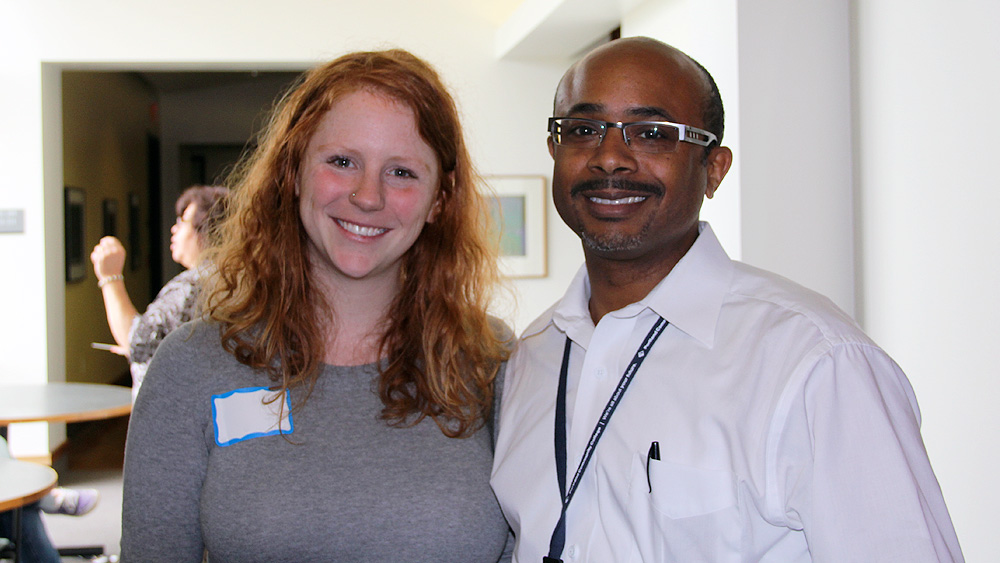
<point x="559" y="534"/>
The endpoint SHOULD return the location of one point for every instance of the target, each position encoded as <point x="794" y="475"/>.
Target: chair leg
<point x="17" y="534"/>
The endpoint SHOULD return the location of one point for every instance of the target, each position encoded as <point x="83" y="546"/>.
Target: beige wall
<point x="106" y="120"/>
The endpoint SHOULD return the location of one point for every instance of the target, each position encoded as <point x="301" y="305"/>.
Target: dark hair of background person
<point x="440" y="349"/>
<point x="210" y="208"/>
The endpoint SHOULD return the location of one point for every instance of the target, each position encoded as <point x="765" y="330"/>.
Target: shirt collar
<point x="690" y="297"/>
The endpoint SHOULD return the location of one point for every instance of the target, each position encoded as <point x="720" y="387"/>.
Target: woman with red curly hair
<point x="337" y="403"/>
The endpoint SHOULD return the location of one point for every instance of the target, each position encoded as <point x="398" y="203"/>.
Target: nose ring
<point x="353" y="195"/>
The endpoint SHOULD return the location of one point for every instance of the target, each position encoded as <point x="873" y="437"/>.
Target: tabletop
<point x="63" y="402"/>
<point x="23" y="482"/>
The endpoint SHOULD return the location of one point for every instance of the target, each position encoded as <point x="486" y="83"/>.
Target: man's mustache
<point x="621" y="184"/>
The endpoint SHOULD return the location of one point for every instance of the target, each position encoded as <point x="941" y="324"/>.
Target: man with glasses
<point x="676" y="405"/>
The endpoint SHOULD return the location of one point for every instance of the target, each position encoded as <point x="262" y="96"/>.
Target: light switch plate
<point x="11" y="220"/>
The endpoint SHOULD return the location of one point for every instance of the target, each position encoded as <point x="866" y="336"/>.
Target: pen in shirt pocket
<point x="654" y="454"/>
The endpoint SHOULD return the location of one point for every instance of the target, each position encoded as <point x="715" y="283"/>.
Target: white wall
<point x="795" y="108"/>
<point x="928" y="83"/>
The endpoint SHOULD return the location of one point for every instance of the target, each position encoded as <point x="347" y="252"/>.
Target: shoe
<point x="73" y="502"/>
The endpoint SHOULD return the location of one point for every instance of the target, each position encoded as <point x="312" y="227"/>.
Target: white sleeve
<point x="849" y="465"/>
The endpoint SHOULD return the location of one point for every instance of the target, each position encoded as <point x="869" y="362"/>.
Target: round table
<point x="22" y="483"/>
<point x="63" y="402"/>
<point x="55" y="402"/>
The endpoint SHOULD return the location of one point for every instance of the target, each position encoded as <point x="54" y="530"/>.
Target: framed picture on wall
<point x="518" y="209"/>
<point x="73" y="213"/>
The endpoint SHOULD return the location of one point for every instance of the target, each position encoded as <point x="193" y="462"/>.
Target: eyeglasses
<point x="641" y="136"/>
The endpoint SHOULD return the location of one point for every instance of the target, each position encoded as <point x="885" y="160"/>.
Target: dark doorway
<point x="207" y="164"/>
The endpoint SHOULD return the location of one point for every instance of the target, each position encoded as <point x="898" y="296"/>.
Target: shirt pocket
<point x="682" y="491"/>
<point x="684" y="513"/>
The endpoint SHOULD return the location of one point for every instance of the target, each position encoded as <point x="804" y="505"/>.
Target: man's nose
<point x="613" y="155"/>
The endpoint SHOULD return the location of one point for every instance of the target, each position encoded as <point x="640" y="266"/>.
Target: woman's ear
<point x="439" y="200"/>
<point x="435" y="210"/>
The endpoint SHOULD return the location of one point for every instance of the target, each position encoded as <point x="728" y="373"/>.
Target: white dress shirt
<point x="786" y="435"/>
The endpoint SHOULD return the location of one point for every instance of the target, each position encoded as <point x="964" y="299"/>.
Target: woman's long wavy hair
<point x="441" y="350"/>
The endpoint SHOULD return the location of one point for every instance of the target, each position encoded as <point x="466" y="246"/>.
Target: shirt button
<point x="571" y="552"/>
<point x="601" y="373"/>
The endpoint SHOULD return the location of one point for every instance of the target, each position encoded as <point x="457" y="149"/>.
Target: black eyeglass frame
<point x="685" y="133"/>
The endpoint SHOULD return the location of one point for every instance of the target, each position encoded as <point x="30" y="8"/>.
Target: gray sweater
<point x="201" y="474"/>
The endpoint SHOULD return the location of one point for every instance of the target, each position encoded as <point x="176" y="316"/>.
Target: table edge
<point x="33" y="497"/>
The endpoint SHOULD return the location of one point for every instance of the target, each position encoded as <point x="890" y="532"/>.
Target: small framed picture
<point x="519" y="212"/>
<point x="73" y="214"/>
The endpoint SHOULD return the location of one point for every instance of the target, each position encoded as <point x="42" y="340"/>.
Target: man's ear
<point x="717" y="165"/>
<point x="552" y="146"/>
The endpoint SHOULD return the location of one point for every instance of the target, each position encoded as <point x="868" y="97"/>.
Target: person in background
<point x="199" y="209"/>
<point x="71" y="502"/>
<point x="336" y="402"/>
<point x="36" y="546"/>
<point x="676" y="405"/>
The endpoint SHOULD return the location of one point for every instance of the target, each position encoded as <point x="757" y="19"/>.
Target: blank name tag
<point x="248" y="413"/>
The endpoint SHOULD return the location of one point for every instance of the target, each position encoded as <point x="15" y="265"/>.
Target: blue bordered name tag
<point x="251" y="412"/>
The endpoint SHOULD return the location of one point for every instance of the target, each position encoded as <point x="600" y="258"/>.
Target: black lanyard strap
<point x="558" y="540"/>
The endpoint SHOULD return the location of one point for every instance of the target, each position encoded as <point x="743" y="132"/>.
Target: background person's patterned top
<point x="174" y="305"/>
